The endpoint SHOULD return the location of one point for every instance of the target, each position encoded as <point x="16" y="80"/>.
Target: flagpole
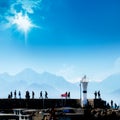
<point x="80" y="95"/>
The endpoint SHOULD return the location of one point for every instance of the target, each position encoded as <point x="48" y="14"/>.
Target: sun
<point x="23" y="22"/>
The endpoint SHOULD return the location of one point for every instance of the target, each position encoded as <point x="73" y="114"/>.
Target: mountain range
<point x="31" y="80"/>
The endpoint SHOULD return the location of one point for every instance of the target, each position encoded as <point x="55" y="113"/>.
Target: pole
<point x="80" y="95"/>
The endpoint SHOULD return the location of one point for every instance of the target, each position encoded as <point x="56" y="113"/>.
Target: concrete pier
<point x="6" y="104"/>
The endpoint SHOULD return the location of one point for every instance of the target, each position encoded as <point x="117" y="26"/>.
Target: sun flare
<point x="22" y="22"/>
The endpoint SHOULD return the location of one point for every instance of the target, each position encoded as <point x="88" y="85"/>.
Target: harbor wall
<point x="38" y="103"/>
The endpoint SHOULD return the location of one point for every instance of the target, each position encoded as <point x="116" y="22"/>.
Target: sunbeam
<point x="23" y="23"/>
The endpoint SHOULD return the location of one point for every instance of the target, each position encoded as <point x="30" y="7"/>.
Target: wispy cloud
<point x="30" y="5"/>
<point x="10" y="9"/>
<point x="27" y="6"/>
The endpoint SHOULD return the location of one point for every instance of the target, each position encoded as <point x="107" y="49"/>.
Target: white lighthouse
<point x="84" y="83"/>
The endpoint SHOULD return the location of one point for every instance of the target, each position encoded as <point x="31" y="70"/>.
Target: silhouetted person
<point x="115" y="106"/>
<point x="15" y="94"/>
<point x="87" y="105"/>
<point x="68" y="95"/>
<point x="19" y="94"/>
<point x="99" y="94"/>
<point x="33" y="94"/>
<point x="27" y="95"/>
<point x="95" y="94"/>
<point x="111" y="103"/>
<point x="11" y="95"/>
<point x="41" y="94"/>
<point x="46" y="94"/>
<point x="108" y="106"/>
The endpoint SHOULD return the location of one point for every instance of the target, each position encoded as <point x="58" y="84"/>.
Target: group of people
<point x="27" y="96"/>
<point x="66" y="95"/>
<point x="113" y="105"/>
<point x="13" y="95"/>
<point x="46" y="94"/>
<point x="97" y="94"/>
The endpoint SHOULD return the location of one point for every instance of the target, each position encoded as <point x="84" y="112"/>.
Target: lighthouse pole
<point x="80" y="95"/>
<point x="84" y="83"/>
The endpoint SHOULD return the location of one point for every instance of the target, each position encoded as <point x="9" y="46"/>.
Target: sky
<point x="70" y="38"/>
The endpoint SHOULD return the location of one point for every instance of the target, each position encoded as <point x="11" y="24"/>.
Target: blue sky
<point x="66" y="37"/>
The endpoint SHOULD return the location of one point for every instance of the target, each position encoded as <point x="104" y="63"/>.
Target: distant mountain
<point x="111" y="83"/>
<point x="30" y="80"/>
<point x="55" y="85"/>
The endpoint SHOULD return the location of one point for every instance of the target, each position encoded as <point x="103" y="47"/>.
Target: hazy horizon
<point x="28" y="79"/>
